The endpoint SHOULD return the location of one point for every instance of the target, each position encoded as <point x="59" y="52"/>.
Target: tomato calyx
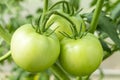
<point x="68" y="8"/>
<point x="41" y="28"/>
<point x="75" y="33"/>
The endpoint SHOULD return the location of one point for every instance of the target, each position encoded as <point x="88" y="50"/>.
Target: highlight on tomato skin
<point x="32" y="51"/>
<point x="81" y="57"/>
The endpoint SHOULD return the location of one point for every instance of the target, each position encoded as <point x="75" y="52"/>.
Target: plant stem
<point x="101" y="74"/>
<point x="58" y="72"/>
<point x="73" y="26"/>
<point x="60" y="2"/>
<point x="45" y="8"/>
<point x="5" y="35"/>
<point x="5" y="56"/>
<point x="96" y="14"/>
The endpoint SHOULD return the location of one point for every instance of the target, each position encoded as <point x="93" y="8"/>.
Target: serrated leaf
<point x="108" y="26"/>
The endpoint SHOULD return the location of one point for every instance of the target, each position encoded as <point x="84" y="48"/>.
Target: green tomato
<point x="82" y="56"/>
<point x="64" y="25"/>
<point x="32" y="51"/>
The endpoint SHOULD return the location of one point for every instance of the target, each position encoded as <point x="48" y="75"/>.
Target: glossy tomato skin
<point x="82" y="56"/>
<point x="64" y="25"/>
<point x="32" y="51"/>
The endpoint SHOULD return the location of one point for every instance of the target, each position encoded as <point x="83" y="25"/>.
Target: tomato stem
<point x="45" y="9"/>
<point x="73" y="26"/>
<point x="58" y="72"/>
<point x="96" y="14"/>
<point x="63" y="2"/>
<point x="2" y="58"/>
<point x="75" y="34"/>
<point x="72" y="10"/>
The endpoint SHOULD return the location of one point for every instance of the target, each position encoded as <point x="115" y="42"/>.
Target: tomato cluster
<point x="36" y="52"/>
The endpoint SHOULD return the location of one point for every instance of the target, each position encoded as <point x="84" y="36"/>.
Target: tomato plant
<point x="58" y="41"/>
<point x="82" y="56"/>
<point x="32" y="51"/>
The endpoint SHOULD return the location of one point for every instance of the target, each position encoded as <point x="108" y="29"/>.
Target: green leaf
<point x="108" y="26"/>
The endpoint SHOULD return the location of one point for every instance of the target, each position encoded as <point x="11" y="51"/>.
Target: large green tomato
<point x="82" y="56"/>
<point x="32" y="51"/>
<point x="64" y="25"/>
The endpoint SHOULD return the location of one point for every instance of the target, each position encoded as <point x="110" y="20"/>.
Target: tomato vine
<point x="96" y="15"/>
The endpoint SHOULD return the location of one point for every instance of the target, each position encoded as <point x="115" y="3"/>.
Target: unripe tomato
<point x="64" y="25"/>
<point x="32" y="51"/>
<point x="82" y="56"/>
